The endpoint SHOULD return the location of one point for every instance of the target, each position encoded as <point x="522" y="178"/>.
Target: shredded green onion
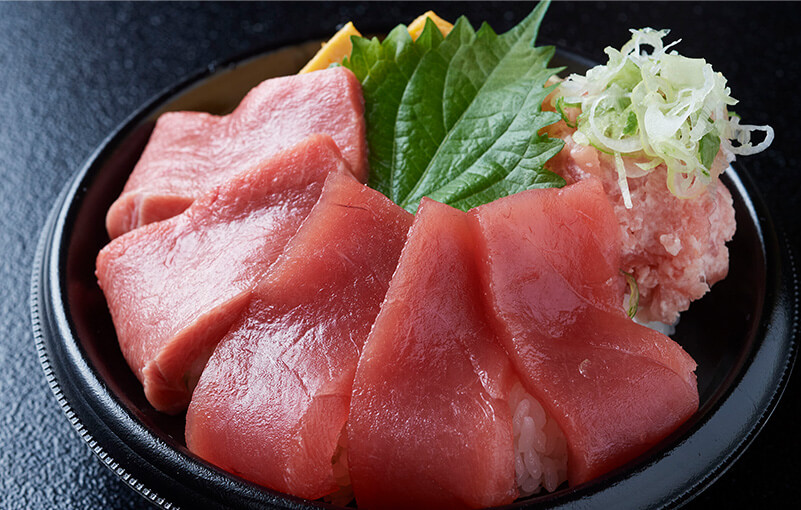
<point x="560" y="108"/>
<point x="634" y="294"/>
<point x="658" y="108"/>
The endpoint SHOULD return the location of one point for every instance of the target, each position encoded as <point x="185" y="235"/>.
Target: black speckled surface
<point x="70" y="73"/>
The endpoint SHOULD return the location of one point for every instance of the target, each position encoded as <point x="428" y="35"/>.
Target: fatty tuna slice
<point x="175" y="287"/>
<point x="191" y="152"/>
<point x="430" y="425"/>
<point x="614" y="387"/>
<point x="273" y="399"/>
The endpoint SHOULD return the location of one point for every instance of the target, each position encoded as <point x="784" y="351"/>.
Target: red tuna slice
<point x="191" y="152"/>
<point x="567" y="242"/>
<point x="602" y="222"/>
<point x="614" y="387"/>
<point x="430" y="425"/>
<point x="274" y="397"/>
<point x="175" y="287"/>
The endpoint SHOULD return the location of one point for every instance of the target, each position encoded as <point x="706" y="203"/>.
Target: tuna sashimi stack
<point x="328" y="344"/>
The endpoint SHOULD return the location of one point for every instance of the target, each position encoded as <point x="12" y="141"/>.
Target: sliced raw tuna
<point x="191" y="152"/>
<point x="175" y="287"/>
<point x="430" y="424"/>
<point x="614" y="387"/>
<point x="274" y="398"/>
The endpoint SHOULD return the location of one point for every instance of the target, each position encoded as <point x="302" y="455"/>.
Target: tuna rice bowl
<point x="429" y="250"/>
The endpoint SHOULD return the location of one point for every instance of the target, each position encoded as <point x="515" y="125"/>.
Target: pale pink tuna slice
<point x="274" y="398"/>
<point x="615" y="388"/>
<point x="175" y="287"/>
<point x="430" y="425"/>
<point x="191" y="152"/>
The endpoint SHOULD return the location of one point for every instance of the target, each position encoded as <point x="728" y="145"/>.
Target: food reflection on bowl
<point x="738" y="334"/>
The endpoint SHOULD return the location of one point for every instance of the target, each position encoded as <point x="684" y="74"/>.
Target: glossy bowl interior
<point x="740" y="334"/>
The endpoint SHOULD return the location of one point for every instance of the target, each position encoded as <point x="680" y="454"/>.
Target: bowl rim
<point x="112" y="432"/>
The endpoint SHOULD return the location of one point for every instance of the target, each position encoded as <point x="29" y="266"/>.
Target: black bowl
<point x="740" y="334"/>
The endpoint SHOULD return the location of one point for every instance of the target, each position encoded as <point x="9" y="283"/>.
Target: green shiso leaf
<point x="457" y="119"/>
<point x="420" y="127"/>
<point x="384" y="69"/>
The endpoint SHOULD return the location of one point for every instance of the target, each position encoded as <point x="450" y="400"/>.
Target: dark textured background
<point x="70" y="73"/>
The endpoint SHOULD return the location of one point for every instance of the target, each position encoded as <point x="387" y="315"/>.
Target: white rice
<point x="540" y="446"/>
<point x="665" y="329"/>
<point x="540" y="451"/>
